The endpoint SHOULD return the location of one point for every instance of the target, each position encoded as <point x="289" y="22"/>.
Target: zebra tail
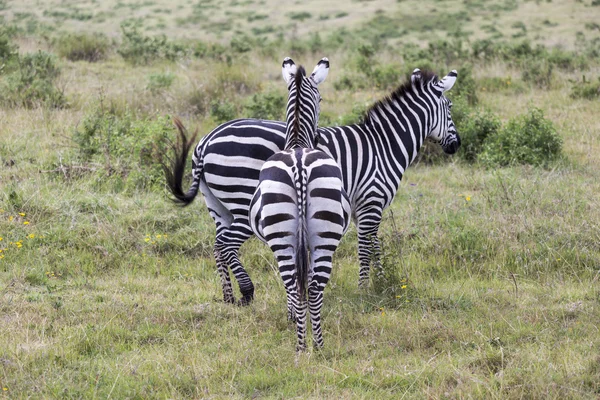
<point x="174" y="168"/>
<point x="302" y="257"/>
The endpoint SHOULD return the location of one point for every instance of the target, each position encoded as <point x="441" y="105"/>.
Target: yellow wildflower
<point x="31" y="236"/>
<point x="22" y="214"/>
<point x="5" y="389"/>
<point x="1" y="256"/>
<point x="403" y="287"/>
<point x="158" y="236"/>
<point x="10" y="218"/>
<point x="147" y="239"/>
<point x="26" y="223"/>
<point x="468" y="198"/>
<point x="1" y="238"/>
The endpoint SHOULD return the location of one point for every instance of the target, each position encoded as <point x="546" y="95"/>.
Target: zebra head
<point x="303" y="106"/>
<point x="443" y="129"/>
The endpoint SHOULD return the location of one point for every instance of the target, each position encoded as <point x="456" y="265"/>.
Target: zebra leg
<point x="369" y="249"/>
<point x="315" y="303"/>
<point x="301" y="308"/>
<point x="223" y="220"/>
<point x="321" y="265"/>
<point x="233" y="237"/>
<point x="224" y="275"/>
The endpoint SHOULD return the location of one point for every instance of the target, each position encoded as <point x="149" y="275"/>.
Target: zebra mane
<point x="407" y="87"/>
<point x="295" y="129"/>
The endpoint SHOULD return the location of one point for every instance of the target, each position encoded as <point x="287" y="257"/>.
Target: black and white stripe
<point x="299" y="208"/>
<point x="372" y="156"/>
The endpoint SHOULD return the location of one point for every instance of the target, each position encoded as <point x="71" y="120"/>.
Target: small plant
<point x="300" y="15"/>
<point x="241" y="44"/>
<point x="474" y="130"/>
<point x="538" y="73"/>
<point x="139" y="49"/>
<point x="29" y="82"/>
<point x="527" y="139"/>
<point x="160" y="81"/>
<point x="222" y="111"/>
<point x="586" y="89"/>
<point x="125" y="147"/>
<point x="266" y="105"/>
<point x="86" y="47"/>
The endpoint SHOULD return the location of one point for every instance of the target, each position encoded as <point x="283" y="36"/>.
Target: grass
<point x="111" y="291"/>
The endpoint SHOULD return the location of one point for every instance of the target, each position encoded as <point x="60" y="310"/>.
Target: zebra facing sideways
<point x="372" y="156"/>
<point x="300" y="208"/>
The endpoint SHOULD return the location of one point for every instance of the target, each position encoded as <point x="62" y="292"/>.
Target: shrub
<point x="355" y="116"/>
<point x="160" y="81"/>
<point x="586" y="89"/>
<point x="29" y="82"/>
<point x="139" y="49"/>
<point x="241" y="44"/>
<point x="474" y="130"/>
<point x="8" y="51"/>
<point x="123" y="146"/>
<point x="466" y="86"/>
<point x="300" y="15"/>
<point x="222" y="111"/>
<point x="266" y="105"/>
<point x="538" y="73"/>
<point x="86" y="47"/>
<point x="526" y="139"/>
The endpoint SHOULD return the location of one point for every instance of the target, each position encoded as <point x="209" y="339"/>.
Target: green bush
<point x="526" y="139"/>
<point x="241" y="44"/>
<point x="123" y="146"/>
<point x="86" y="47"/>
<point x="222" y="111"/>
<point x="8" y="51"/>
<point x="355" y="116"/>
<point x="586" y="89"/>
<point x="473" y="131"/>
<point x="266" y="105"/>
<point x="300" y="15"/>
<point x="160" y="81"/>
<point x="466" y="87"/>
<point x="538" y="73"/>
<point x="139" y="49"/>
<point x="30" y="82"/>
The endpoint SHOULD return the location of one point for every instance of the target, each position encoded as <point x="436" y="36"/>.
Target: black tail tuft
<point x="175" y="168"/>
<point x="302" y="259"/>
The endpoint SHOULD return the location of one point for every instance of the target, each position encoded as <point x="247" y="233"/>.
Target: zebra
<point x="300" y="208"/>
<point x="372" y="156"/>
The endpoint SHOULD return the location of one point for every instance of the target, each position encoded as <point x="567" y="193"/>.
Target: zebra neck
<point x="400" y="127"/>
<point x="298" y="135"/>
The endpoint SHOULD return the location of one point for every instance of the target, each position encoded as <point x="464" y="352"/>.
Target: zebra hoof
<point x="245" y="301"/>
<point x="229" y="299"/>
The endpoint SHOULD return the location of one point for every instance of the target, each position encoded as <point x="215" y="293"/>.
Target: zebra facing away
<point x="372" y="156"/>
<point x="300" y="208"/>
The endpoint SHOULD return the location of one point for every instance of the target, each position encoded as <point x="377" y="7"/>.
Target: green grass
<point x="111" y="291"/>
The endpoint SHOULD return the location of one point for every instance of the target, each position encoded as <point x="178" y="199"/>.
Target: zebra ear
<point x="415" y="75"/>
<point x="288" y="69"/>
<point x="448" y="81"/>
<point x="321" y="70"/>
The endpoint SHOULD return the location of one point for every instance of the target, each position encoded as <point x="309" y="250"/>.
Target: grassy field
<point x="107" y="290"/>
